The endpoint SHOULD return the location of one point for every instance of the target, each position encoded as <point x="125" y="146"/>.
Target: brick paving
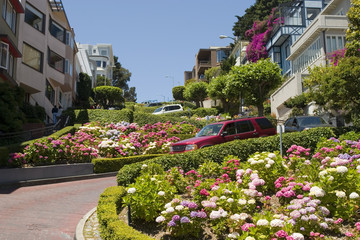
<point x="48" y="212"/>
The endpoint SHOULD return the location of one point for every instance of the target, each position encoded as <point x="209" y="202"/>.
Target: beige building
<point x="324" y="35"/>
<point x="46" y="70"/>
<point x="9" y="29"/>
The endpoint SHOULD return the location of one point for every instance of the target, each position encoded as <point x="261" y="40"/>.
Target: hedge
<point x="107" y="212"/>
<point x="241" y="148"/>
<point x="102" y="165"/>
<point x="142" y="118"/>
<point x="203" y="112"/>
<point x="99" y="115"/>
<point x="18" y="147"/>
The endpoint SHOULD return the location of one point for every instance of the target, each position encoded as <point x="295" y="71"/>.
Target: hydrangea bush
<point x="110" y="140"/>
<point x="269" y="196"/>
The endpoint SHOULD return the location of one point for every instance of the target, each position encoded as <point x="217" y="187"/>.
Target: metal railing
<point x="15" y="137"/>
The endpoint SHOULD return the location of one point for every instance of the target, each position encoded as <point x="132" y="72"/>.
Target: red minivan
<point x="226" y="131"/>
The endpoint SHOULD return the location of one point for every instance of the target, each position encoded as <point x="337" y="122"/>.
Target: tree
<point x="120" y="75"/>
<point x="257" y="12"/>
<point x="130" y="95"/>
<point x="227" y="64"/>
<point x="212" y="73"/>
<point x="102" y="81"/>
<point x="108" y="96"/>
<point x="337" y="87"/>
<point x="178" y="93"/>
<point x="353" y="32"/>
<point x="196" y="92"/>
<point x="217" y="90"/>
<point x="84" y="90"/>
<point x="255" y="81"/>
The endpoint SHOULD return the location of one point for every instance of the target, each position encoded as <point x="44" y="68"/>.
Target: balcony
<point x="321" y="23"/>
<point x="56" y="5"/>
<point x="203" y="65"/>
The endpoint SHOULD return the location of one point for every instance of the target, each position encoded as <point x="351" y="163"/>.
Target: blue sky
<point x="157" y="38"/>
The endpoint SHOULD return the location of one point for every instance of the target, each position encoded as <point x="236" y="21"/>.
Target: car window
<point x="264" y="123"/>
<point x="289" y="122"/>
<point x="158" y="110"/>
<point x="230" y="129"/>
<point x="167" y="108"/>
<point x="310" y="121"/>
<point x="210" y="130"/>
<point x="244" y="126"/>
<point x="176" y="107"/>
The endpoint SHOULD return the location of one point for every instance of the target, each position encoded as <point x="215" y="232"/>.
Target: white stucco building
<point x="324" y="35"/>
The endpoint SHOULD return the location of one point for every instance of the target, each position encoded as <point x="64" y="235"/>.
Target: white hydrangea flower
<point x="262" y="222"/>
<point x="168" y="205"/>
<point x="235" y="217"/>
<point x="340" y="194"/>
<point x="298" y="236"/>
<point x="233" y="235"/>
<point x="170" y="210"/>
<point x="230" y="200"/>
<point x="161" y="193"/>
<point x="251" y="201"/>
<point x="341" y="169"/>
<point x="353" y="195"/>
<point x="318" y="192"/>
<point x="249" y="238"/>
<point x="268" y="166"/>
<point x="277" y="223"/>
<point x="242" y="201"/>
<point x="179" y="207"/>
<point x="160" y="219"/>
<point x="222" y="197"/>
<point x="272" y="155"/>
<point x="131" y="190"/>
<point x="243" y="216"/>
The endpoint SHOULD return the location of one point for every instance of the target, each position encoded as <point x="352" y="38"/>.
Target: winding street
<point x="50" y="211"/>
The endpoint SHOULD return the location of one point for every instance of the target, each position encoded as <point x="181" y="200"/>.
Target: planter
<point x="16" y="175"/>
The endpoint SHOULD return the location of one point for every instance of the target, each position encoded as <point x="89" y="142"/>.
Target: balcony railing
<point x="56" y="5"/>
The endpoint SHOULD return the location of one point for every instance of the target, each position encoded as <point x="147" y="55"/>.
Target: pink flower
<point x="204" y="192"/>
<point x="247" y="226"/>
<point x="349" y="234"/>
<point x="281" y="234"/>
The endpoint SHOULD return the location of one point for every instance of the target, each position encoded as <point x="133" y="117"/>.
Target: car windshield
<point x="210" y="130"/>
<point x="311" y="121"/>
<point x="158" y="110"/>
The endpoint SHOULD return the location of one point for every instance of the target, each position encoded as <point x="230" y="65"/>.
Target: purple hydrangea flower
<point x="176" y="218"/>
<point x="201" y="214"/>
<point x="193" y="214"/>
<point x="171" y="224"/>
<point x="192" y="205"/>
<point x="185" y="220"/>
<point x="184" y="203"/>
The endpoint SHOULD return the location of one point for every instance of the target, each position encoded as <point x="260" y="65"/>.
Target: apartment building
<point x="324" y="34"/>
<point x="9" y="34"/>
<point x="207" y="58"/>
<point x="46" y="40"/>
<point x="102" y="56"/>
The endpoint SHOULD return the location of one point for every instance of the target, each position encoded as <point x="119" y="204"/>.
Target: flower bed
<point x="300" y="196"/>
<point x="94" y="140"/>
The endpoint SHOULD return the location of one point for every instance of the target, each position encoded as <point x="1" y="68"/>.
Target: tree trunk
<point x="260" y="110"/>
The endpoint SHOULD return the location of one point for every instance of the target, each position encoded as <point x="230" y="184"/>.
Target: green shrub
<point x="240" y="148"/>
<point x="139" y="108"/>
<point x="203" y="112"/>
<point x="107" y="212"/>
<point x="99" y="115"/>
<point x="102" y="165"/>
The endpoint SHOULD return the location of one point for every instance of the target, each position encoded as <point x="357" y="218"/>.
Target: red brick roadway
<point x="50" y="211"/>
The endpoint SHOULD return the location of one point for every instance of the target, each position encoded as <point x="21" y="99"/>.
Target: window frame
<point x="52" y="95"/>
<point x="38" y="12"/>
<point x="6" y="65"/>
<point x="13" y="16"/>
<point x="41" y="57"/>
<point x="53" y="66"/>
<point x="57" y="25"/>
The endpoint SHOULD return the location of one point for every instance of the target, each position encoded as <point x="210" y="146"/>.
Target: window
<point x="308" y="56"/>
<point x="56" y="61"/>
<point x="34" y="18"/>
<point x="244" y="126"/>
<point x="312" y="13"/>
<point x="4" y="55"/>
<point x="9" y="14"/>
<point x="230" y="129"/>
<point x="98" y="63"/>
<point x="104" y="64"/>
<point x="67" y="63"/>
<point x="69" y="39"/>
<point x="264" y="123"/>
<point x="49" y="92"/>
<point x="32" y="57"/>
<point x="57" y="31"/>
<point x="104" y="52"/>
<point x="334" y="43"/>
<point x="221" y="55"/>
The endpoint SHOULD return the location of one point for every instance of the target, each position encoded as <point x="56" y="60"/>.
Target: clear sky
<point x="155" y="38"/>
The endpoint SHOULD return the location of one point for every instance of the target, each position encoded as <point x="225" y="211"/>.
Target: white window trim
<point x="7" y="56"/>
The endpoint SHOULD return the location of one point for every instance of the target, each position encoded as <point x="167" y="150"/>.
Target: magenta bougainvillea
<point x="259" y="35"/>
<point x="335" y="56"/>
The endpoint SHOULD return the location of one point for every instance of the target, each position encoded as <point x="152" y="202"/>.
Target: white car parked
<point x="168" y="109"/>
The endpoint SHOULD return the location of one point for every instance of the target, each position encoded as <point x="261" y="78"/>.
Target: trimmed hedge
<point x="241" y="148"/>
<point x="18" y="147"/>
<point x="102" y="165"/>
<point x="203" y="112"/>
<point x="99" y="115"/>
<point x="107" y="212"/>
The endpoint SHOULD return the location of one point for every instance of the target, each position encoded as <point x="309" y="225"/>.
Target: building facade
<point x="102" y="56"/>
<point x="9" y="36"/>
<point x="46" y="69"/>
<point x="205" y="59"/>
<point x="324" y="34"/>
